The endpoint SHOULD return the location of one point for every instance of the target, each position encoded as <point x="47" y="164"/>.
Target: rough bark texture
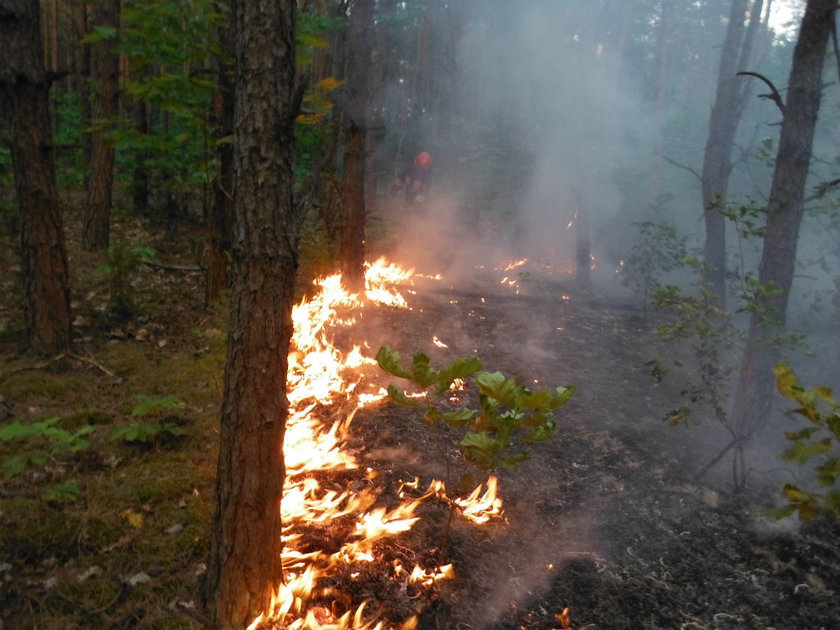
<point x="24" y="90"/>
<point x="755" y="387"/>
<point x="351" y="250"/>
<point x="104" y="67"/>
<point x="244" y="566"/>
<point x="717" y="158"/>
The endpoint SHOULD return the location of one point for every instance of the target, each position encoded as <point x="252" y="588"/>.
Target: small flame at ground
<point x="481" y="510"/>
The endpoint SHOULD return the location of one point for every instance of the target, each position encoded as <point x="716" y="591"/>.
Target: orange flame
<point x="322" y="376"/>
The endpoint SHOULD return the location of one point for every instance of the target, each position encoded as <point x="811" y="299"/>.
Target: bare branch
<point x="774" y="93"/>
<point x="822" y="189"/>
<point x="685" y="168"/>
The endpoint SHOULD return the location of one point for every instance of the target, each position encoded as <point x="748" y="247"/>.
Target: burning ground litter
<point x="349" y="526"/>
<point x="606" y="519"/>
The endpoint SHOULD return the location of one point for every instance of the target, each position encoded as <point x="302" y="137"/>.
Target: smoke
<point x="552" y="75"/>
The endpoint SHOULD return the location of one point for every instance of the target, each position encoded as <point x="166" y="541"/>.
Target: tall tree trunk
<point x="754" y="391"/>
<point x="717" y="165"/>
<point x="96" y="230"/>
<point x="663" y="66"/>
<point x="583" y="248"/>
<point x="244" y="565"/>
<point x="141" y="176"/>
<point x="25" y="90"/>
<point x="85" y="92"/>
<point x="351" y="249"/>
<point x="220" y="219"/>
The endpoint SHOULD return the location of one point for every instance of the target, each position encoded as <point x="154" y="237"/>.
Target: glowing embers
<point x="514" y="264"/>
<point x="438" y="342"/>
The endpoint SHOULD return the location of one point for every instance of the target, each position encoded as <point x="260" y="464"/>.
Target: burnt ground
<point x="608" y="518"/>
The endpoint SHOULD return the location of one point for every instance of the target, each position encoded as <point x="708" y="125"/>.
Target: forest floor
<point x="606" y="519"/>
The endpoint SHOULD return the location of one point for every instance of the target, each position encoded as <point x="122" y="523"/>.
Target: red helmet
<point x="423" y="159"/>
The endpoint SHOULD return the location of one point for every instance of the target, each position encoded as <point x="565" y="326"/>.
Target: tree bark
<point x="244" y="567"/>
<point x="24" y="90"/>
<point x="663" y="63"/>
<point x="104" y="66"/>
<point x="351" y="249"/>
<point x="717" y="165"/>
<point x="754" y="391"/>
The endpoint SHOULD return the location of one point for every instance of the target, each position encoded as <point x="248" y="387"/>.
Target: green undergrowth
<point x="105" y="523"/>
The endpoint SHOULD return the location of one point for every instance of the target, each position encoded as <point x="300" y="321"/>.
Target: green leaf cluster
<point x="662" y="249"/>
<point x="749" y="219"/>
<point x="820" y="440"/>
<point x="147" y="432"/>
<point x="41" y="441"/>
<point x="167" y="45"/>
<point x="152" y="405"/>
<point x="507" y="413"/>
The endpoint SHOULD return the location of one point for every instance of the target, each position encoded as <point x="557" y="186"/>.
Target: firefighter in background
<point x="415" y="180"/>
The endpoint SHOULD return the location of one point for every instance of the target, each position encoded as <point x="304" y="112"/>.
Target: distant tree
<point x="104" y="70"/>
<point x="220" y="212"/>
<point x="723" y="124"/>
<point x="754" y="391"/>
<point x="25" y="101"/>
<point x="351" y="250"/>
<point x="244" y="565"/>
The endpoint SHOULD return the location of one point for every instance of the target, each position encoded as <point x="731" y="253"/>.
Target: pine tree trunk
<point x="24" y="89"/>
<point x="244" y="566"/>
<point x="351" y="250"/>
<point x="96" y="229"/>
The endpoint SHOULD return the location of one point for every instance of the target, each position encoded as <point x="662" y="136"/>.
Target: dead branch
<point x="774" y="93"/>
<point x="682" y="166"/>
<point x="821" y="190"/>
<point x="162" y="267"/>
<point x="69" y="355"/>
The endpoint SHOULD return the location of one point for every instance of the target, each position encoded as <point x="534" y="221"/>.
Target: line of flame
<point x="317" y="379"/>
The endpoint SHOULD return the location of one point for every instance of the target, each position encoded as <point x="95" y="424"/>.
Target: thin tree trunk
<point x="663" y="64"/>
<point x="141" y="177"/>
<point x="244" y="566"/>
<point x="96" y="229"/>
<point x="24" y="90"/>
<point x="351" y="250"/>
<point x="220" y="219"/>
<point x="717" y="165"/>
<point x="754" y="391"/>
<point x="583" y="248"/>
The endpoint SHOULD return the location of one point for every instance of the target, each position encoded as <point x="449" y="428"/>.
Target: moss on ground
<point x="129" y="540"/>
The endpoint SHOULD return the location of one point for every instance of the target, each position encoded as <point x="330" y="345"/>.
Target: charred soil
<point x="608" y="518"/>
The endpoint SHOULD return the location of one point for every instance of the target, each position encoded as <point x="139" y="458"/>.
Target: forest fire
<point x="323" y="376"/>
